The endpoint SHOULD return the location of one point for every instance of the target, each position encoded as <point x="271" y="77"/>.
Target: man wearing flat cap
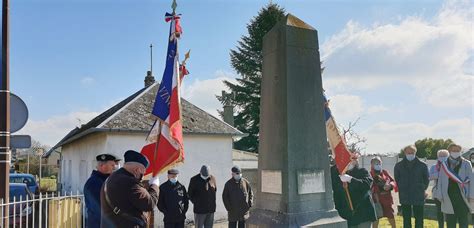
<point x="125" y="201"/>
<point x="238" y="199"/>
<point x="105" y="166"/>
<point x="202" y="193"/>
<point x="173" y="201"/>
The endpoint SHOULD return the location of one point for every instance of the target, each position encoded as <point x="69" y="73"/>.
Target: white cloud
<point x="53" y="129"/>
<point x="428" y="55"/>
<point x="384" y="137"/>
<point x="203" y="93"/>
<point x="376" y="109"/>
<point x="346" y="108"/>
<point x="87" y="81"/>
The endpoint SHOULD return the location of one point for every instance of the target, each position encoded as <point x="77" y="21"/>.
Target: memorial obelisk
<point x="294" y="187"/>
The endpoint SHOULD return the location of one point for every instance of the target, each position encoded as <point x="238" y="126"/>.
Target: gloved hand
<point x="345" y="178"/>
<point x="154" y="181"/>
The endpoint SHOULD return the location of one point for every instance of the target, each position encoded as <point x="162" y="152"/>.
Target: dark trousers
<point x="174" y="225"/>
<point x="452" y="219"/>
<point x="439" y="214"/>
<point x="407" y="214"/>
<point x="238" y="224"/>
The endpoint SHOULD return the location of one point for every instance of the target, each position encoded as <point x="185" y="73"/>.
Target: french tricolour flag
<point x="338" y="146"/>
<point x="164" y="148"/>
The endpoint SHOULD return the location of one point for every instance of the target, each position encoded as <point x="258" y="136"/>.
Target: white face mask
<point x="237" y="176"/>
<point x="378" y="167"/>
<point x="174" y="180"/>
<point x="455" y="155"/>
<point x="410" y="157"/>
<point x="442" y="159"/>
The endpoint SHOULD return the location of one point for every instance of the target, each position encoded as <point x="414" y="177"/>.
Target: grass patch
<point x="399" y="221"/>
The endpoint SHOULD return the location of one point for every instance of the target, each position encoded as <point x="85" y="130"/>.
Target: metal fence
<point x="55" y="210"/>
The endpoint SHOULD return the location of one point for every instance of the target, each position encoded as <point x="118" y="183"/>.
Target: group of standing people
<point x="362" y="197"/>
<point x="119" y="198"/>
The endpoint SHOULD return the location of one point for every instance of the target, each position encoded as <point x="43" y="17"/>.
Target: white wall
<point x="82" y="150"/>
<point x="212" y="150"/>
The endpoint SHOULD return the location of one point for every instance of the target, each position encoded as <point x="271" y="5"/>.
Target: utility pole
<point x="5" y="115"/>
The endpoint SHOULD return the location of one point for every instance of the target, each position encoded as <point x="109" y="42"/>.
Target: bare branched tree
<point x="354" y="141"/>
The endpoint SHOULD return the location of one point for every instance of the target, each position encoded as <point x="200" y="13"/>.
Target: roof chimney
<point x="228" y="113"/>
<point x="149" y="79"/>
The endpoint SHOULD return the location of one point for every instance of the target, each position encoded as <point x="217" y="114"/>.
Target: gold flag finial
<point x="186" y="56"/>
<point x="173" y="6"/>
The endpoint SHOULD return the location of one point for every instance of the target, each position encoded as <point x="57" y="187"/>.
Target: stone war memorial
<point x="294" y="187"/>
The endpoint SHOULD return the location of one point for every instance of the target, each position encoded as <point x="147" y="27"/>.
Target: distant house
<point x="207" y="140"/>
<point x="244" y="159"/>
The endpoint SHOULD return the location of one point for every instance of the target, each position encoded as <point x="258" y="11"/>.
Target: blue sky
<point x="73" y="59"/>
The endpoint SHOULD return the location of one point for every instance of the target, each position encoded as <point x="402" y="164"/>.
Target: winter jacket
<point x="361" y="197"/>
<point x="412" y="180"/>
<point x="92" y="198"/>
<point x="238" y="199"/>
<point x="467" y="191"/>
<point x="132" y="200"/>
<point x="202" y="194"/>
<point x="173" y="202"/>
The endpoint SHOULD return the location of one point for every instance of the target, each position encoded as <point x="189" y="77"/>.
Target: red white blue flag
<point x="164" y="146"/>
<point x="340" y="153"/>
<point x="454" y="176"/>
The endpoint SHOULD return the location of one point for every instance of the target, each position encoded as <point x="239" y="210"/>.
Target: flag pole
<point x="348" y="195"/>
<point x="156" y="148"/>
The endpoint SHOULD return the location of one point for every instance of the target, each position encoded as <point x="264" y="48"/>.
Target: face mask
<point x="410" y="157"/>
<point x="442" y="159"/>
<point x="378" y="167"/>
<point x="204" y="177"/>
<point x="174" y="180"/>
<point x="455" y="155"/>
<point x="237" y="176"/>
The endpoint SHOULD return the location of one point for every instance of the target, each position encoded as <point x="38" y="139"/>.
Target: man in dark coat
<point x="358" y="182"/>
<point x="173" y="201"/>
<point x="125" y="201"/>
<point x="412" y="179"/>
<point x="105" y="166"/>
<point x="202" y="193"/>
<point x="238" y="199"/>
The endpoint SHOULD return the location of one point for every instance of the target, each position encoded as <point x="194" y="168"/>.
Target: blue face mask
<point x="378" y="167"/>
<point x="174" y="180"/>
<point x="410" y="157"/>
<point x="442" y="159"/>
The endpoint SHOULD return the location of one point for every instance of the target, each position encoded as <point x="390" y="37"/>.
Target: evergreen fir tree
<point x="247" y="60"/>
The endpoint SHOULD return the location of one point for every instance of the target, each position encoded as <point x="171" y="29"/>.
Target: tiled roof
<point x="134" y="114"/>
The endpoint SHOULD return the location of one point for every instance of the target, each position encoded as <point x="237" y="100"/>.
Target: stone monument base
<point x="269" y="219"/>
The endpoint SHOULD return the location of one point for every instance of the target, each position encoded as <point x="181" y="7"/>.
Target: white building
<point x="207" y="140"/>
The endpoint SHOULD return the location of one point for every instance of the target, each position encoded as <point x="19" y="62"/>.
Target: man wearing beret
<point x="173" y="201"/>
<point x="105" y="166"/>
<point x="238" y="199"/>
<point x="125" y="201"/>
